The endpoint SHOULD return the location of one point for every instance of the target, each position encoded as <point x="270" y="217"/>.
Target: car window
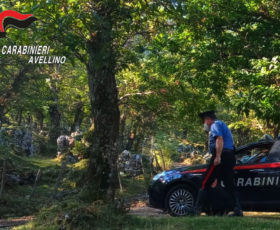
<point x="253" y="156"/>
<point x="274" y="153"/>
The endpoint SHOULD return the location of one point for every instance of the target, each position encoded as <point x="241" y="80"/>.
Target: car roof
<point x="259" y="144"/>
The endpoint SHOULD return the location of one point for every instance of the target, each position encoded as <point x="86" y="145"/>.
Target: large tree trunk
<point x="102" y="171"/>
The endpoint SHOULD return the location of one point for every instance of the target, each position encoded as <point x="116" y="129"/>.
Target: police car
<point x="257" y="177"/>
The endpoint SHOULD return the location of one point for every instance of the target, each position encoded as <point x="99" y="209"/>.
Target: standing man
<point x="222" y="161"/>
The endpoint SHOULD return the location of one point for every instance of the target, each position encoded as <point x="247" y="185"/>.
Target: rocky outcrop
<point x="130" y="164"/>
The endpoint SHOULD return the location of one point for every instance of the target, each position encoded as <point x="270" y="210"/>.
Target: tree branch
<point x="134" y="94"/>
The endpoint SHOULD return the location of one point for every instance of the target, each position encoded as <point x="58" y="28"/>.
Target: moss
<point x="80" y="150"/>
<point x="16" y="200"/>
<point x="132" y="186"/>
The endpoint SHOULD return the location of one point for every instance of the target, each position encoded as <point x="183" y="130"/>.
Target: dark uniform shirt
<point x="219" y="128"/>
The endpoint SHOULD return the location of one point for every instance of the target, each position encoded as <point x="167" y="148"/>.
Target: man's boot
<point x="200" y="201"/>
<point x="237" y="211"/>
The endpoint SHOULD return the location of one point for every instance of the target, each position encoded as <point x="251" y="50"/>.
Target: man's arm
<point x="219" y="149"/>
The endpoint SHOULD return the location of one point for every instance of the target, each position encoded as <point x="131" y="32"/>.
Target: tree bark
<point x="54" y="112"/>
<point x="78" y="118"/>
<point x="1" y="115"/>
<point x="54" y="131"/>
<point x="276" y="130"/>
<point x="19" y="117"/>
<point x="40" y="119"/>
<point x="122" y="129"/>
<point x="3" y="179"/>
<point x="102" y="172"/>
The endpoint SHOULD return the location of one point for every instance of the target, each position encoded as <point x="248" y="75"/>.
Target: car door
<point x="255" y="178"/>
<point x="271" y="171"/>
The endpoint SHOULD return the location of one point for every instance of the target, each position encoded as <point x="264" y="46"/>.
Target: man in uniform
<point x="222" y="161"/>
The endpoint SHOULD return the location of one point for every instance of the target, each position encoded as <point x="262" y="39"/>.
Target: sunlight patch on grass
<point x="262" y="214"/>
<point x="81" y="165"/>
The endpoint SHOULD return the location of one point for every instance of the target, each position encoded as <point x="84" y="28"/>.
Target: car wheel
<point x="180" y="200"/>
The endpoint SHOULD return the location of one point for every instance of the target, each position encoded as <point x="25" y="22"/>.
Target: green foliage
<point x="80" y="150"/>
<point x="75" y="214"/>
<point x="16" y="197"/>
<point x="261" y="91"/>
<point x="245" y="132"/>
<point x="168" y="147"/>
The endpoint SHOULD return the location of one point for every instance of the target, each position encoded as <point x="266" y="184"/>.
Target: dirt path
<point x="139" y="206"/>
<point x="6" y="224"/>
<point x="147" y="212"/>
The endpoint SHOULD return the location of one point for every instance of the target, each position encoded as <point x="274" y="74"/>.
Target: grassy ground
<point x="181" y="223"/>
<point x="132" y="186"/>
<point x="83" y="216"/>
<point x="205" y="223"/>
<point x="16" y="200"/>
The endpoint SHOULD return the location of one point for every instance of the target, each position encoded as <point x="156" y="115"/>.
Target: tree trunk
<point x="122" y="129"/>
<point x="1" y="115"/>
<point x="78" y="118"/>
<point x="132" y="134"/>
<point x="130" y="141"/>
<point x="3" y="179"/>
<point x="40" y="119"/>
<point x="55" y="123"/>
<point x="276" y="130"/>
<point x="19" y="117"/>
<point x="102" y="172"/>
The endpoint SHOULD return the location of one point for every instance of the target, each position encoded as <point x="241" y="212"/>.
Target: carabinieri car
<point x="257" y="177"/>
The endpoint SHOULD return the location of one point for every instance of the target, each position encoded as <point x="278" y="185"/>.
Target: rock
<point x="130" y="164"/>
<point x="22" y="141"/>
<point x="4" y="137"/>
<point x="12" y="178"/>
<point x="27" y="145"/>
<point x="77" y="135"/>
<point x="15" y="178"/>
<point x="62" y="144"/>
<point x="65" y="142"/>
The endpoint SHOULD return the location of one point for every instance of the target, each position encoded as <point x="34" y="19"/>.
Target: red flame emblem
<point x="14" y="18"/>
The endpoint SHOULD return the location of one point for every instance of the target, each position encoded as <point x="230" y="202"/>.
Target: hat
<point x="210" y="113"/>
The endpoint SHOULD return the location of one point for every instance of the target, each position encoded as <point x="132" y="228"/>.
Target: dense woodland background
<point x="137" y="74"/>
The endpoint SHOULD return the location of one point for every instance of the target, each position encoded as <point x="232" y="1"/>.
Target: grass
<point x="83" y="216"/>
<point x="15" y="201"/>
<point x="132" y="186"/>
<point x="203" y="223"/>
<point x="129" y="222"/>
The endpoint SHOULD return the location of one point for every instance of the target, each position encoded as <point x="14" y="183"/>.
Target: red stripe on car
<point x="241" y="167"/>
